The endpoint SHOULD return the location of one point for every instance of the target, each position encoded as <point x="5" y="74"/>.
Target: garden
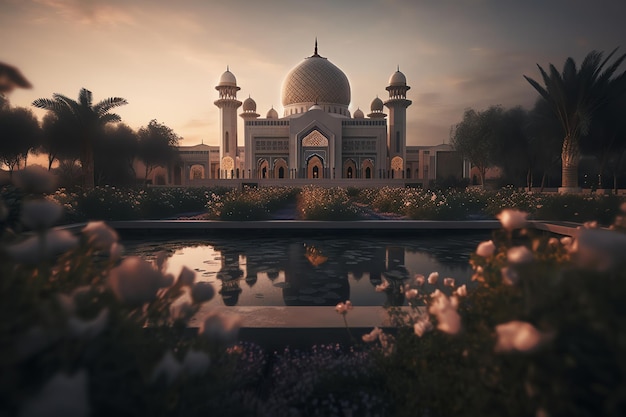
<point x="539" y="331"/>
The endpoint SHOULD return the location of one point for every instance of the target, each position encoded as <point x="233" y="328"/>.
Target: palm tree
<point x="87" y="120"/>
<point x="575" y="96"/>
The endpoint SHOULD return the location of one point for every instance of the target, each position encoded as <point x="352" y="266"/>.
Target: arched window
<point x="408" y="172"/>
<point x="264" y="172"/>
<point x="349" y="172"/>
<point x="316" y="172"/>
<point x="281" y="172"/>
<point x="368" y="172"/>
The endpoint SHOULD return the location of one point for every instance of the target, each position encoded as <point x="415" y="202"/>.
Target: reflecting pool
<point x="315" y="271"/>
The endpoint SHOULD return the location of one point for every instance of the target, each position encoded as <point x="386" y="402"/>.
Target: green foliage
<point x="250" y="203"/>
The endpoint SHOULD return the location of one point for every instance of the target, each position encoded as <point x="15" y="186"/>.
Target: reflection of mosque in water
<point x="316" y="272"/>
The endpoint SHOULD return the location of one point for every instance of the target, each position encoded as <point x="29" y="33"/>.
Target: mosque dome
<point x="227" y="79"/>
<point x="377" y="105"/>
<point x="316" y="80"/>
<point x="358" y="114"/>
<point x="272" y="114"/>
<point x="397" y="79"/>
<point x="249" y="105"/>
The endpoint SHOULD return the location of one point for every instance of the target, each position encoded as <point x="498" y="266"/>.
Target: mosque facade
<point x="316" y="138"/>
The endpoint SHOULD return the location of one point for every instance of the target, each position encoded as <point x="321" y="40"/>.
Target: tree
<point x="19" y="133"/>
<point x="58" y="141"/>
<point x="575" y="95"/>
<point x="157" y="146"/>
<point x="115" y="153"/>
<point x="87" y="121"/>
<point x="544" y="135"/>
<point x="476" y="137"/>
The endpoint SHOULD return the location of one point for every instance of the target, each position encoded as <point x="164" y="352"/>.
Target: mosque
<point x="316" y="138"/>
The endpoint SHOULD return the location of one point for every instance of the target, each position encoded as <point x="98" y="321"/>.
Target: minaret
<point x="228" y="105"/>
<point x="397" y="105"/>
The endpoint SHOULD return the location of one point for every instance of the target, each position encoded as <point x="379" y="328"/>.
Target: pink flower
<point x="221" y="328"/>
<point x="382" y="286"/>
<point x="444" y="309"/>
<point x="100" y="236"/>
<point x="461" y="291"/>
<point x="411" y="293"/>
<point x="517" y="335"/>
<point x="422" y="326"/>
<point x="433" y="277"/>
<point x="519" y="255"/>
<point x="372" y="336"/>
<point x="599" y="249"/>
<point x="420" y="279"/>
<point x="448" y="282"/>
<point x="509" y="276"/>
<point x="135" y="281"/>
<point x="343" y="308"/>
<point x="486" y="249"/>
<point x="512" y="219"/>
<point x="40" y="214"/>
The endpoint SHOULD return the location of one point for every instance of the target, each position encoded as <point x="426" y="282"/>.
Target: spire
<point x="315" y="52"/>
<point x="227" y="68"/>
<point x="398" y="68"/>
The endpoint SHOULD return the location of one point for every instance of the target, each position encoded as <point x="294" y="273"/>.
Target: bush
<point x="316" y="203"/>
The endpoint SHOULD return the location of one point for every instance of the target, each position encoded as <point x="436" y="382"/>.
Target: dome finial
<point x="315" y="51"/>
<point x="227" y="68"/>
<point x="398" y="68"/>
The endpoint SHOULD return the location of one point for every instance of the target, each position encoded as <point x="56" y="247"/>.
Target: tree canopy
<point x="19" y="134"/>
<point x="157" y="146"/>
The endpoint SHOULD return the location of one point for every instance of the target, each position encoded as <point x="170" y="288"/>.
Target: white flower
<point x="202" y="291"/>
<point x="422" y="326"/>
<point x="509" y="276"/>
<point x="196" y="363"/>
<point x="35" y="179"/>
<point x="221" y="328"/>
<point x="168" y="368"/>
<point x="568" y="243"/>
<point x="40" y="214"/>
<point x="411" y="293"/>
<point x="372" y="336"/>
<point x="343" y="308"/>
<point x="100" y="236"/>
<point x="519" y="255"/>
<point x="553" y="241"/>
<point x="186" y="277"/>
<point x="433" y="277"/>
<point x="486" y="249"/>
<point x="62" y="395"/>
<point x="448" y="282"/>
<point x="517" y="335"/>
<point x="135" y="281"/>
<point x="512" y="219"/>
<point x="420" y="279"/>
<point x="599" y="249"/>
<point x="91" y="328"/>
<point x="448" y="319"/>
<point x="382" y="286"/>
<point x="461" y="291"/>
<point x="33" y="250"/>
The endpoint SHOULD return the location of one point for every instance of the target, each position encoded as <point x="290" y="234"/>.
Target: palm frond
<point x="109" y="118"/>
<point x="85" y="98"/>
<point x="107" y="104"/>
<point x="47" y="104"/>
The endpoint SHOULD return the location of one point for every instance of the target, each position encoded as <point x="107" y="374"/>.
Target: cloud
<point x="90" y="12"/>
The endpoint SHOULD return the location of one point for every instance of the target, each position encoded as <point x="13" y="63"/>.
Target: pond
<point x="319" y="270"/>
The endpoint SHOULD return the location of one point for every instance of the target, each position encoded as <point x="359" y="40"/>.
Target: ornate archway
<point x="349" y="169"/>
<point x="367" y="167"/>
<point x="280" y="168"/>
<point x="263" y="168"/>
<point x="314" y="167"/>
<point x="397" y="167"/>
<point x="196" y="172"/>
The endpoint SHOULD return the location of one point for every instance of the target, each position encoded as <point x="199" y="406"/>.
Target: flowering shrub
<point x="250" y="203"/>
<point x="316" y="203"/>
<point x="540" y="330"/>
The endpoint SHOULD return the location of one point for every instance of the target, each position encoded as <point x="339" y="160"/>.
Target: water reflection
<point x="318" y="271"/>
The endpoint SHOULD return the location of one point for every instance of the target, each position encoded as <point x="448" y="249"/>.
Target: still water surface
<point x="315" y="271"/>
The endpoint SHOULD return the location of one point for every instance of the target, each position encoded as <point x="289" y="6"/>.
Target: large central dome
<point x="316" y="80"/>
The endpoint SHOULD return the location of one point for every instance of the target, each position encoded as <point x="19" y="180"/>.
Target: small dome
<point x="249" y="105"/>
<point x="377" y="105"/>
<point x="397" y="79"/>
<point x="272" y="114"/>
<point x="228" y="79"/>
<point x="358" y="114"/>
<point x="315" y="107"/>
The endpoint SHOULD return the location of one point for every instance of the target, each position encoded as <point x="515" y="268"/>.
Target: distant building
<point x="316" y="138"/>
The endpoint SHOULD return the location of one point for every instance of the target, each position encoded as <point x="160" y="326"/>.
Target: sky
<point x="166" y="57"/>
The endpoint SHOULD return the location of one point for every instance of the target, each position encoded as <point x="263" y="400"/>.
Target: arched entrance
<point x="196" y="172"/>
<point x="397" y="167"/>
<point x="280" y="168"/>
<point x="314" y="167"/>
<point x="367" y="167"/>
<point x="349" y="169"/>
<point x="263" y="168"/>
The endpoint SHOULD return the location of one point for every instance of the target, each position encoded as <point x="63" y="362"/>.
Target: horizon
<point x="166" y="59"/>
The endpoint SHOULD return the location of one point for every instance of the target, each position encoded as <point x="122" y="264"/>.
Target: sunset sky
<point x="165" y="57"/>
